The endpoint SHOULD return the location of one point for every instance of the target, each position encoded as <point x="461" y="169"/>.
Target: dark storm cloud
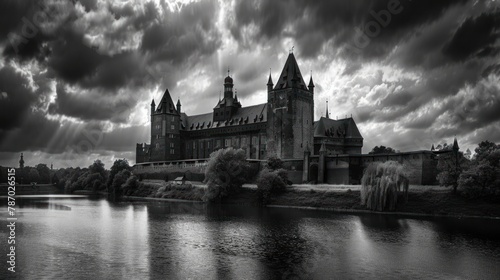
<point x="16" y="98"/>
<point x="476" y="36"/>
<point x="312" y="24"/>
<point x="91" y="105"/>
<point x="180" y="35"/>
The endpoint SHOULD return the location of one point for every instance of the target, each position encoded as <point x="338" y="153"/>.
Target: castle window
<point x="173" y="119"/>
<point x="171" y="145"/>
<point x="217" y="145"/>
<point x="227" y="142"/>
<point x="172" y="127"/>
<point x="163" y="127"/>
<point x="157" y="146"/>
<point x="171" y="135"/>
<point x="172" y="151"/>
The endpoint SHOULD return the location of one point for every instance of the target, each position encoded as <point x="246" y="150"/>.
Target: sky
<point x="77" y="77"/>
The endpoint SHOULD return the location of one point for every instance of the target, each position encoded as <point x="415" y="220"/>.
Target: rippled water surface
<point x="81" y="238"/>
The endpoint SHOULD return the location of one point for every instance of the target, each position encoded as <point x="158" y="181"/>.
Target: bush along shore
<point x="429" y="202"/>
<point x="385" y="189"/>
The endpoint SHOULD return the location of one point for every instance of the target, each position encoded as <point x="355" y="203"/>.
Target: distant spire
<point x="432" y="148"/>
<point x="455" y="144"/>
<point x="228" y="71"/>
<point x="270" y="80"/>
<point x="21" y="161"/>
<point x="153" y="102"/>
<point x="327" y="114"/>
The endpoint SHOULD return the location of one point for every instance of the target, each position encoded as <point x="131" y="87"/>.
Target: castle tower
<point x="229" y="105"/>
<point x="290" y="113"/>
<point x="165" y="130"/>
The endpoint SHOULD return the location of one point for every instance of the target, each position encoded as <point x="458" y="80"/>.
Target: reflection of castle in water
<point x="322" y="151"/>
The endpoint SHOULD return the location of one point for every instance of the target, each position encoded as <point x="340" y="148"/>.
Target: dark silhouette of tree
<point x="382" y="150"/>
<point x="43" y="172"/>
<point x="118" y="165"/>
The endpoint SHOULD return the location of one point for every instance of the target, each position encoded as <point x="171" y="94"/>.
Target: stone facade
<point x="283" y="127"/>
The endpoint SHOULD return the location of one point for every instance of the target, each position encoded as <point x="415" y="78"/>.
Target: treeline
<point x="473" y="177"/>
<point x="93" y="178"/>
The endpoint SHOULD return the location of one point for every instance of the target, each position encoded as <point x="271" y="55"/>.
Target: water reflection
<point x="138" y="240"/>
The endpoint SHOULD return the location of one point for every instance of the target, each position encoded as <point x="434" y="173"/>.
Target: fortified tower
<point x="165" y="130"/>
<point x="290" y="113"/>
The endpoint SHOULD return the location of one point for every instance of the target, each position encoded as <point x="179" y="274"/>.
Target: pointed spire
<point x="153" y="102"/>
<point x="455" y="145"/>
<point x="432" y="148"/>
<point x="327" y="114"/>
<point x="178" y="105"/>
<point x="311" y="84"/>
<point x="290" y="75"/>
<point x="270" y="80"/>
<point x="21" y="161"/>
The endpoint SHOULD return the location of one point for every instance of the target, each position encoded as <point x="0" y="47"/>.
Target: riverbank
<point x="428" y="202"/>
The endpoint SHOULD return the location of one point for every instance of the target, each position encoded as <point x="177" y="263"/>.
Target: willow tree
<point x="381" y="183"/>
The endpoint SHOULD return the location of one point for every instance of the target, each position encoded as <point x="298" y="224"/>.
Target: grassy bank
<point x="162" y="189"/>
<point x="428" y="202"/>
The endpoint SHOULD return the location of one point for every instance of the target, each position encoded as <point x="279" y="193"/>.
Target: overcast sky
<point x="77" y="77"/>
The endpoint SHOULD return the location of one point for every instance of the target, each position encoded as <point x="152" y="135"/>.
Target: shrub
<point x="225" y="173"/>
<point x="274" y="163"/>
<point x="380" y="184"/>
<point x="271" y="182"/>
<point x="130" y="185"/>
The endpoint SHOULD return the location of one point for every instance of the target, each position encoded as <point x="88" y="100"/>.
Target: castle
<point x="322" y="151"/>
<point x="284" y="127"/>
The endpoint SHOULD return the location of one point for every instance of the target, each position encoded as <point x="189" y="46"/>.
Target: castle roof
<point x="166" y="104"/>
<point x="244" y="115"/>
<point x="289" y="74"/>
<point x="343" y="128"/>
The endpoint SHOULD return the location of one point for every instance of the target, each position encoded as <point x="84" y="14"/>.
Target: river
<point x="68" y="237"/>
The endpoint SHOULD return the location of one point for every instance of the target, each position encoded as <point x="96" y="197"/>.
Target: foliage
<point x="450" y="166"/>
<point x="482" y="178"/>
<point x="271" y="182"/>
<point x="118" y="165"/>
<point x="382" y="150"/>
<point x="226" y="171"/>
<point x="115" y="190"/>
<point x="130" y="185"/>
<point x="43" y="172"/>
<point x="274" y="163"/>
<point x="32" y="176"/>
<point x="380" y="185"/>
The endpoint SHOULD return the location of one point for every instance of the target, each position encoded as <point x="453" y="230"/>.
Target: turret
<point x="178" y="106"/>
<point x="269" y="83"/>
<point x="311" y="84"/>
<point x="21" y="162"/>
<point x="327" y="114"/>
<point x="153" y="107"/>
<point x="455" y="146"/>
<point x="228" y="86"/>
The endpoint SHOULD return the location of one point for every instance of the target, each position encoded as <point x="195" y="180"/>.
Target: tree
<point x="450" y="166"/>
<point x="33" y="176"/>
<point x="274" y="163"/>
<point x="98" y="167"/>
<point x="382" y="150"/>
<point x="118" y="165"/>
<point x="485" y="149"/>
<point x="482" y="178"/>
<point x="271" y="182"/>
<point x="118" y="181"/>
<point x="43" y="172"/>
<point x="226" y="172"/>
<point x="380" y="185"/>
